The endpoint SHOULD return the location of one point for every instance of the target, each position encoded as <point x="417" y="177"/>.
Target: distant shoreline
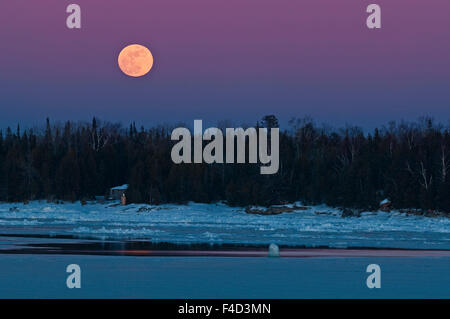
<point x="257" y="210"/>
<point x="405" y="162"/>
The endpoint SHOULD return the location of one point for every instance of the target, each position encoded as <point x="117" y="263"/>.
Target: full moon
<point x="135" y="60"/>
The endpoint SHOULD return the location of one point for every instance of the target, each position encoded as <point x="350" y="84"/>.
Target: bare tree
<point x="445" y="165"/>
<point x="425" y="181"/>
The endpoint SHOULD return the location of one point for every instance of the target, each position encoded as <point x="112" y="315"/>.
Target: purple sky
<point x="226" y="59"/>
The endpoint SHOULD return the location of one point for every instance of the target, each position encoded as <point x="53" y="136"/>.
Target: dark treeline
<point x="409" y="163"/>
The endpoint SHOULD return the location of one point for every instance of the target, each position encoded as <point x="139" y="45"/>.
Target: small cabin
<point x="116" y="193"/>
<point x="385" y="205"/>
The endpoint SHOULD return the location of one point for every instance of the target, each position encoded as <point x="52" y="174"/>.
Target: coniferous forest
<point x="409" y="163"/>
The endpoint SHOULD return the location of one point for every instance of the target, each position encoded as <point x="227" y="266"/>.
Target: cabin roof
<point x="120" y="188"/>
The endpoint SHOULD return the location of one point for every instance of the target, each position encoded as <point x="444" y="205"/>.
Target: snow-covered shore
<point x="220" y="224"/>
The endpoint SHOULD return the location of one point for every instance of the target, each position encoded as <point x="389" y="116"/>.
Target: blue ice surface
<point x="314" y="226"/>
<point x="44" y="276"/>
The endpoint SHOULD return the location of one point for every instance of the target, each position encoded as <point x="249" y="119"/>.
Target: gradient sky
<point x="226" y="59"/>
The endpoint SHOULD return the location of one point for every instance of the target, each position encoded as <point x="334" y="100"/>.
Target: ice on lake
<point x="44" y="276"/>
<point x="221" y="224"/>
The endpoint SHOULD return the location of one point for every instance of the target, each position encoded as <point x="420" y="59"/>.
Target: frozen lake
<point x="216" y="251"/>
<point x="44" y="276"/>
<point x="316" y="226"/>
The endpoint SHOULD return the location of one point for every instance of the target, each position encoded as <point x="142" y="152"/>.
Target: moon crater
<point x="135" y="60"/>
